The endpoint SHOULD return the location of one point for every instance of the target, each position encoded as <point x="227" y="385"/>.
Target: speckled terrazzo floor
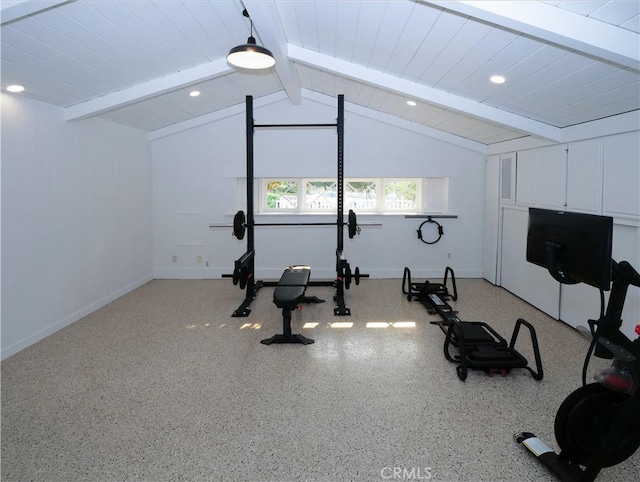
<point x="163" y="385"/>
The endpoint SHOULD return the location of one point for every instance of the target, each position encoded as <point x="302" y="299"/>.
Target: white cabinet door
<point x="578" y="304"/>
<point x="584" y="176"/>
<point x="552" y="184"/>
<point x="527" y="178"/>
<point x="541" y="177"/>
<point x="621" y="192"/>
<point x="581" y="302"/>
<point x="491" y="211"/>
<point x="626" y="247"/>
<point x="528" y="281"/>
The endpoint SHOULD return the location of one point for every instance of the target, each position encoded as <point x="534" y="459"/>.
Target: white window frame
<point x="419" y="189"/>
<point x="263" y="206"/>
<point x="436" y="202"/>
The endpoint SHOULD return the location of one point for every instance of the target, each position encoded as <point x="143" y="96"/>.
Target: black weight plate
<point x="239" y="221"/>
<point x="347" y="277"/>
<point x="353" y="224"/>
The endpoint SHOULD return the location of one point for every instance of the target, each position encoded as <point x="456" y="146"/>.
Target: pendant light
<point x="250" y="55"/>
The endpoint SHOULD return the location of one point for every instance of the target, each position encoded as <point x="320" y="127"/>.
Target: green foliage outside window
<point x="400" y="192"/>
<point x="282" y="194"/>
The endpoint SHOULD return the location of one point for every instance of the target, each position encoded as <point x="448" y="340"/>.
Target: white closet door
<point x="528" y="281"/>
<point x="491" y="216"/>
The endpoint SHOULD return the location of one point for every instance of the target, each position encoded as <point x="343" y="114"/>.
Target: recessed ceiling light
<point x="15" y="88"/>
<point x="194" y="93"/>
<point x="411" y="103"/>
<point x="497" y="79"/>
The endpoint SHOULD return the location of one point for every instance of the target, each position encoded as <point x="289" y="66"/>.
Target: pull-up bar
<point x="275" y="126"/>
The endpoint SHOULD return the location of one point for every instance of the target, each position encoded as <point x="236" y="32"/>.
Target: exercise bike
<point x="598" y="425"/>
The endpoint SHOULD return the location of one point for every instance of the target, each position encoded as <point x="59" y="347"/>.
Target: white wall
<point x="76" y="218"/>
<point x="597" y="175"/>
<point x="195" y="175"/>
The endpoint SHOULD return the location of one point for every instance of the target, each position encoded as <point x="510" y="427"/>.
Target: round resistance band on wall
<point x="440" y="231"/>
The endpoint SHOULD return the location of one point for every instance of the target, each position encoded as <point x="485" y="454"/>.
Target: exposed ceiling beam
<point x="422" y="92"/>
<point x="10" y="11"/>
<point x="555" y="25"/>
<point x="147" y="90"/>
<point x="266" y="22"/>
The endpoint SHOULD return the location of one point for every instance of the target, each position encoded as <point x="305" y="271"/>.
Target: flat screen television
<point x="574" y="247"/>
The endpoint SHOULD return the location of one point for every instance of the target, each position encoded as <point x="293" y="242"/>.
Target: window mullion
<point x="302" y="195"/>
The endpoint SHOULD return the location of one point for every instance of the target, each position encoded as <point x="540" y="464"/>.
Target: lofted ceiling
<point x="135" y="61"/>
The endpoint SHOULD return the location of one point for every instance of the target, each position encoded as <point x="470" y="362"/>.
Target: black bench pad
<point x="291" y="287"/>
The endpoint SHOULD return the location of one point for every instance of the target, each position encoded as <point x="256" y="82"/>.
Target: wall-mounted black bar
<point x="432" y="216"/>
<point x="258" y="126"/>
<point x="229" y="225"/>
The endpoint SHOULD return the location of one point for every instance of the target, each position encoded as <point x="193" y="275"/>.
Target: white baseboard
<point x="58" y="325"/>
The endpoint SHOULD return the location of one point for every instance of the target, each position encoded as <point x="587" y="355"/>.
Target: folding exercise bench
<point x="288" y="294"/>
<point x="479" y="346"/>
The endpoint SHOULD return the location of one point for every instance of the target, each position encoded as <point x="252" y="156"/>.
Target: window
<point x="320" y="195"/>
<point x="400" y="195"/>
<point x="282" y="195"/>
<point x="388" y="195"/>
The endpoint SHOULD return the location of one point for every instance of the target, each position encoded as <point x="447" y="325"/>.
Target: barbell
<point x="240" y="224"/>
<point x="242" y="275"/>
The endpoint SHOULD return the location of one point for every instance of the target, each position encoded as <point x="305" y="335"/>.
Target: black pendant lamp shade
<point x="251" y="55"/>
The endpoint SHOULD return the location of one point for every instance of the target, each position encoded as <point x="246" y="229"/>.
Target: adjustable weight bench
<point x="289" y="293"/>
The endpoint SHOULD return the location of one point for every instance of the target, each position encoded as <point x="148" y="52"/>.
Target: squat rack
<point x="244" y="268"/>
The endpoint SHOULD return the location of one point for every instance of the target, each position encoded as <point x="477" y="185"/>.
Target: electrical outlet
<point x="174" y="259"/>
<point x="199" y="259"/>
<point x="206" y="263"/>
<point x="449" y="255"/>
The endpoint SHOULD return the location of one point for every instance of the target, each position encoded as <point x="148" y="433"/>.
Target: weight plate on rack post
<point x="353" y="224"/>
<point x="347" y="277"/>
<point x="239" y="221"/>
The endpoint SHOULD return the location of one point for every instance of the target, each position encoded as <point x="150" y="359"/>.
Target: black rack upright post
<point x="250" y="213"/>
<point x="252" y="286"/>
<point x="341" y="263"/>
<point x="340" y="175"/>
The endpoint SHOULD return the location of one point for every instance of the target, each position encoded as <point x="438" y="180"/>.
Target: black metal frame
<point x="612" y="344"/>
<point x="247" y="261"/>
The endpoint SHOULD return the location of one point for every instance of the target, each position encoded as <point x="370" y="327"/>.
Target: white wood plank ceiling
<point x="135" y="62"/>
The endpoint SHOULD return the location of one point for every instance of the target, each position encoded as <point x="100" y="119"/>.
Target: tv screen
<point x="574" y="247"/>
